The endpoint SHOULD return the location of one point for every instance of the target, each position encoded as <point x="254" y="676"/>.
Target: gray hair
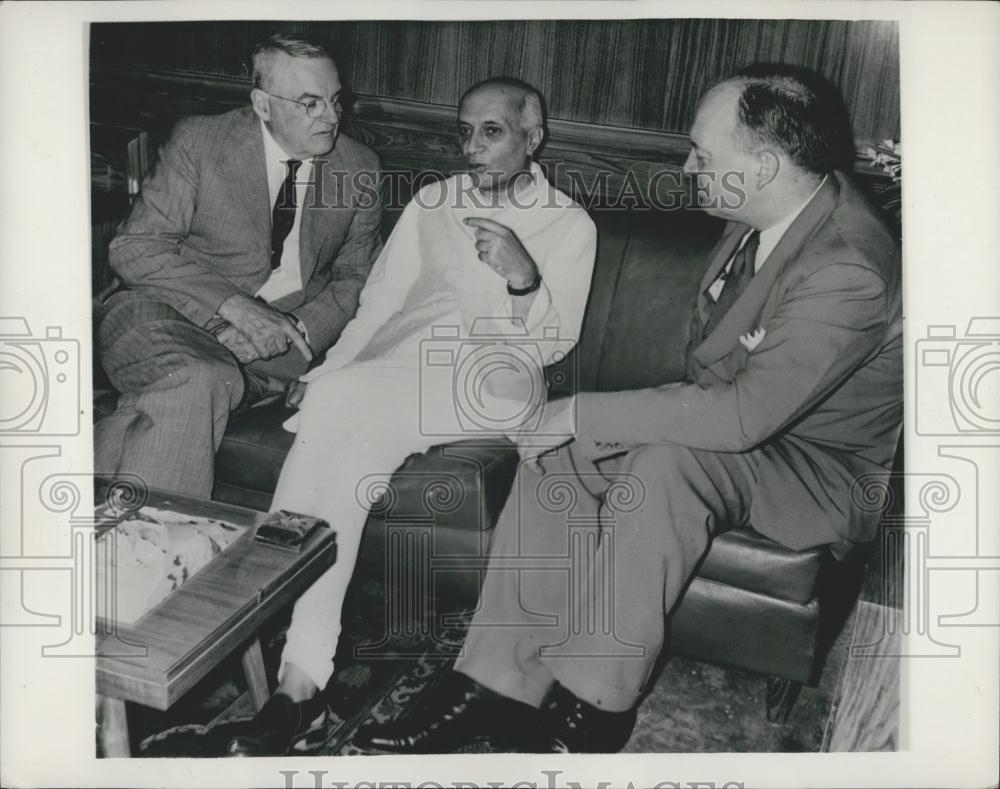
<point x="530" y="104"/>
<point x="295" y="45"/>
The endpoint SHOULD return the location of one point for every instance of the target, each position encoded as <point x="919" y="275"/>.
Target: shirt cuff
<point x="537" y="312"/>
<point x="300" y="327"/>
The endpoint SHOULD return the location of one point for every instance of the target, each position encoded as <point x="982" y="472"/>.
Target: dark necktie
<point x="736" y="281"/>
<point x="283" y="214"/>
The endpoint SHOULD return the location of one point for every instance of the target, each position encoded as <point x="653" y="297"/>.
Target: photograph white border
<point x="950" y="58"/>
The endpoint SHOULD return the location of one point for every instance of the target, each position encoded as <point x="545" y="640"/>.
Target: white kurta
<point x="432" y="356"/>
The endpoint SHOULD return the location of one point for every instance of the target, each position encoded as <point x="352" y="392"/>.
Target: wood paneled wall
<point x="633" y="74"/>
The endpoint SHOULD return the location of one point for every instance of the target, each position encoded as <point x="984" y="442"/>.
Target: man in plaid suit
<point x="242" y="259"/>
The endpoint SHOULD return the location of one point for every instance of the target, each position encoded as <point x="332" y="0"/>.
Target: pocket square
<point x="751" y="340"/>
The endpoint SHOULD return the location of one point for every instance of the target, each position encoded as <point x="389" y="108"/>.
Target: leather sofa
<point x="752" y="604"/>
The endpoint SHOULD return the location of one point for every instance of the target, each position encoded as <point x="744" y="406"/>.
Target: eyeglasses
<point x="315" y="108"/>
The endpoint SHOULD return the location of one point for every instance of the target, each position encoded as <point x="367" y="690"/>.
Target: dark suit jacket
<point x="819" y="400"/>
<point x="201" y="230"/>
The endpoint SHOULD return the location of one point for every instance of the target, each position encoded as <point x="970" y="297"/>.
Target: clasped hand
<point x="257" y="330"/>
<point x="499" y="248"/>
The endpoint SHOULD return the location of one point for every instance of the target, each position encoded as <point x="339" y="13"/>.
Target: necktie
<point x="283" y="214"/>
<point x="736" y="281"/>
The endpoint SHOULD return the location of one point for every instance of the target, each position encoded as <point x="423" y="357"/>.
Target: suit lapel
<point x="309" y="227"/>
<point x="743" y="314"/>
<point x="318" y="222"/>
<point x="245" y="170"/>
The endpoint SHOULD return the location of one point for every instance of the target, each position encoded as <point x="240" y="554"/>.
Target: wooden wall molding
<point x="613" y="142"/>
<point x="598" y="165"/>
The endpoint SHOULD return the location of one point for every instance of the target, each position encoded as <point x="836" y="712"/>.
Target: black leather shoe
<point x="579" y="727"/>
<point x="456" y="713"/>
<point x="280" y="724"/>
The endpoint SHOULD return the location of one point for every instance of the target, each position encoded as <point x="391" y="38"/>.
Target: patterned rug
<point x="380" y="668"/>
<point x="382" y="671"/>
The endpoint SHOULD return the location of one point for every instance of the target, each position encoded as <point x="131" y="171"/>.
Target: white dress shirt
<point x="287" y="278"/>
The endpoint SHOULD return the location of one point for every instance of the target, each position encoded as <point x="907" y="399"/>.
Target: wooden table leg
<point x="114" y="727"/>
<point x="253" y="667"/>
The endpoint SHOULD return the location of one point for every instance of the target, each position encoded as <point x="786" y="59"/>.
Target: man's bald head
<point x="761" y="143"/>
<point x="523" y="98"/>
<point x="500" y="127"/>
<point x="793" y="111"/>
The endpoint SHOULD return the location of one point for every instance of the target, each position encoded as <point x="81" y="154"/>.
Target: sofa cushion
<point x="454" y="486"/>
<point x="254" y="448"/>
<point x="748" y="560"/>
<point x="731" y="626"/>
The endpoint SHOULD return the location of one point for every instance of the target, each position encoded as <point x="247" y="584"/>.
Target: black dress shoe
<point x="456" y="713"/>
<point x="280" y="725"/>
<point x="579" y="727"/>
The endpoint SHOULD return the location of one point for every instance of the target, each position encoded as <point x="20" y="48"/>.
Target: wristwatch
<point x="531" y="288"/>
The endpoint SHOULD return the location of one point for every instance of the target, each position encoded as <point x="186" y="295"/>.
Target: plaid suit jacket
<point x="201" y="229"/>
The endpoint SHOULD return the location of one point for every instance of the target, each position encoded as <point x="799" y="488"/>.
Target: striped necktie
<point x="736" y="281"/>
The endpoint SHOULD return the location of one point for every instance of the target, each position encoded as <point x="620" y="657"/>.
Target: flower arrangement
<point x="887" y="156"/>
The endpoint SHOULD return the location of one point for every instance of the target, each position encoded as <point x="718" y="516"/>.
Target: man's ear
<point x="258" y="100"/>
<point x="535" y="137"/>
<point x="768" y="165"/>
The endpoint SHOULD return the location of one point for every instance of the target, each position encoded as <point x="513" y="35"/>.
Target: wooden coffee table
<point x="220" y="609"/>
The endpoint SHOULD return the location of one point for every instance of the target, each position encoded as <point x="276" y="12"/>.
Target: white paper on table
<point x="155" y="552"/>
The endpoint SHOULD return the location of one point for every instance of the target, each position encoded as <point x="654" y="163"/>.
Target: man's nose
<point x="330" y="114"/>
<point x="473" y="144"/>
<point x="689" y="163"/>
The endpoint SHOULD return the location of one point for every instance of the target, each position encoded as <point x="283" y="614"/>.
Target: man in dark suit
<point x="242" y="259"/>
<point x="794" y="392"/>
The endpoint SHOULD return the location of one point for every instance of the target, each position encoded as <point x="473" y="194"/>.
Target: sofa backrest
<point x="649" y="266"/>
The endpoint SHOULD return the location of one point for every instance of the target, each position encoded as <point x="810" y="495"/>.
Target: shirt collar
<point x="770" y="237"/>
<point x="530" y="189"/>
<point x="273" y="153"/>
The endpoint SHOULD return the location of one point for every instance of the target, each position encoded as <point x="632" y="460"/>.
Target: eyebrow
<point x="488" y="122"/>
<point x="317" y="96"/>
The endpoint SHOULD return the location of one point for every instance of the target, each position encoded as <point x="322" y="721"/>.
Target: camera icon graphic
<point x="966" y="370"/>
<point x="489" y="381"/>
<point x="40" y="380"/>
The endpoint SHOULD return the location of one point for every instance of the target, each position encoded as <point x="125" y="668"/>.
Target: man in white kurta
<point x="493" y="262"/>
